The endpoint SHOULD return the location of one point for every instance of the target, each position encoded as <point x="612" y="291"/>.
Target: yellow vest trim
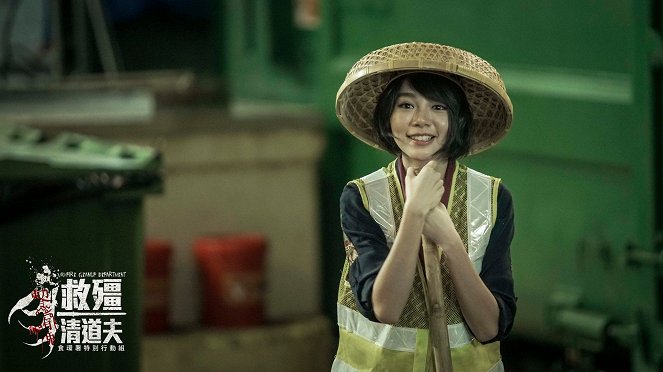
<point x="362" y="191"/>
<point x="496" y="186"/>
<point x="477" y="357"/>
<point x="364" y="355"/>
<point x="421" y="358"/>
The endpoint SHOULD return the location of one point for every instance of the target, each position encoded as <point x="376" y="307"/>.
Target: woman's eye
<point x="405" y="105"/>
<point x="439" y="107"/>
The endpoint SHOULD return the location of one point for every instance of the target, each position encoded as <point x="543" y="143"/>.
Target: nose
<point x="420" y="119"/>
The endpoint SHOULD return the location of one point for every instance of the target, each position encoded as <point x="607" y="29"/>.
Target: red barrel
<point x="232" y="269"/>
<point x="157" y="286"/>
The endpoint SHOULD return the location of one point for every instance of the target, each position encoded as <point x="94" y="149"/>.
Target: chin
<point x="424" y="157"/>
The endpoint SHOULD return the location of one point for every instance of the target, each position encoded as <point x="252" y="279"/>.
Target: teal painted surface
<point x="268" y="58"/>
<point x="581" y="160"/>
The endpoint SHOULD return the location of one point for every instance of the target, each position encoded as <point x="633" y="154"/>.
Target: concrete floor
<point x="305" y="345"/>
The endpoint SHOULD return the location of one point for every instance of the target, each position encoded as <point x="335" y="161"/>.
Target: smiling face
<point x="419" y="126"/>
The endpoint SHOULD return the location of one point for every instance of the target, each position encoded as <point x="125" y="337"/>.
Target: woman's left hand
<point x="478" y="305"/>
<point x="439" y="227"/>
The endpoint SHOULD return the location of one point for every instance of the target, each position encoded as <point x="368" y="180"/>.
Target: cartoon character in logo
<point x="46" y="292"/>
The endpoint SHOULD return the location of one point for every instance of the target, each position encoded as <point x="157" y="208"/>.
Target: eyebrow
<point x="404" y="94"/>
<point x="412" y="94"/>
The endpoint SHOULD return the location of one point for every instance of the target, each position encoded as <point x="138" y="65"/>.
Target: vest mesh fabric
<point x="345" y="296"/>
<point x="415" y="314"/>
<point x="458" y="214"/>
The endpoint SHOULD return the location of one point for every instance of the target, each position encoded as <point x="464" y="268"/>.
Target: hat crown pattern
<point x="422" y="52"/>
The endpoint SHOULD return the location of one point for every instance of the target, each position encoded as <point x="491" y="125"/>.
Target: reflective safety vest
<point x="365" y="345"/>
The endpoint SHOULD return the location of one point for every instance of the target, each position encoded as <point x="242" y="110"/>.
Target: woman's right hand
<point x="424" y="190"/>
<point x="394" y="280"/>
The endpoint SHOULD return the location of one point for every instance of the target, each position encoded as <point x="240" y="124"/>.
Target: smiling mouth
<point x="421" y="137"/>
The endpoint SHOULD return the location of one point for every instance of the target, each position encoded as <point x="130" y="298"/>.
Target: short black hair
<point x="437" y="88"/>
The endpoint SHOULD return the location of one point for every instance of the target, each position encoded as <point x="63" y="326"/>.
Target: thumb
<point x="431" y="164"/>
<point x="409" y="174"/>
<point x="409" y="178"/>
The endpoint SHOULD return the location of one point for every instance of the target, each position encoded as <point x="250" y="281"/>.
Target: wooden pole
<point x="439" y="336"/>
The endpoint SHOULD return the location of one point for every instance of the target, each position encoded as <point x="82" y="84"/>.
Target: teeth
<point x="422" y="138"/>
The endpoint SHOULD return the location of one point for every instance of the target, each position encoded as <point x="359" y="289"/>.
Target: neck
<point x="418" y="164"/>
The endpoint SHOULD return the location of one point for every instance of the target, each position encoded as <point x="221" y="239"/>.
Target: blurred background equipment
<point x="156" y="289"/>
<point x="75" y="202"/>
<point x="239" y="93"/>
<point x="232" y="275"/>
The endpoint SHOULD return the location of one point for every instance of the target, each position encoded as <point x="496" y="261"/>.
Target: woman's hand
<point x="439" y="227"/>
<point x="424" y="190"/>
<point x="477" y="304"/>
<point x="394" y="281"/>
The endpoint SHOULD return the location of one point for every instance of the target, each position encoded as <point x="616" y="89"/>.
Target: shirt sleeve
<point x="496" y="267"/>
<point x="370" y="243"/>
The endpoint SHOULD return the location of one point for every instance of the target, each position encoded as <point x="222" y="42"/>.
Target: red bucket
<point x="157" y="286"/>
<point x="232" y="270"/>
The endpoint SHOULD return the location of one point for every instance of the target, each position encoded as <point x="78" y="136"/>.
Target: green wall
<point x="580" y="160"/>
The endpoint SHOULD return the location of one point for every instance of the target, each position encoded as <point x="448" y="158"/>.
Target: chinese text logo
<point x="80" y="311"/>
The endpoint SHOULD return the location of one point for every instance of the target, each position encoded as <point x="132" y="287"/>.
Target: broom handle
<point x="439" y="336"/>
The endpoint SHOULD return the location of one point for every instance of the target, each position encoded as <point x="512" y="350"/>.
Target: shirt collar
<point x="448" y="177"/>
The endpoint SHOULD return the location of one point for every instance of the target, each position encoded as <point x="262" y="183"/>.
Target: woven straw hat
<point x="491" y="107"/>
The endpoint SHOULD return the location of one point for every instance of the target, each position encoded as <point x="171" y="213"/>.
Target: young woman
<point x="429" y="105"/>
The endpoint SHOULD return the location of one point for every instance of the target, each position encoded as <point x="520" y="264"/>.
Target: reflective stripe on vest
<point x="375" y="346"/>
<point x="479" y="215"/>
<point x="376" y="187"/>
<point x="372" y="346"/>
<point x="391" y="337"/>
<point x="341" y="366"/>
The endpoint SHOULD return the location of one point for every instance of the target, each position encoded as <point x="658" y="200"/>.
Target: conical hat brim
<point x="490" y="105"/>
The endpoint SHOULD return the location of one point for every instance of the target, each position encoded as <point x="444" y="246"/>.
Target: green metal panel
<point x="579" y="160"/>
<point x="269" y="58"/>
<point x="583" y="160"/>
